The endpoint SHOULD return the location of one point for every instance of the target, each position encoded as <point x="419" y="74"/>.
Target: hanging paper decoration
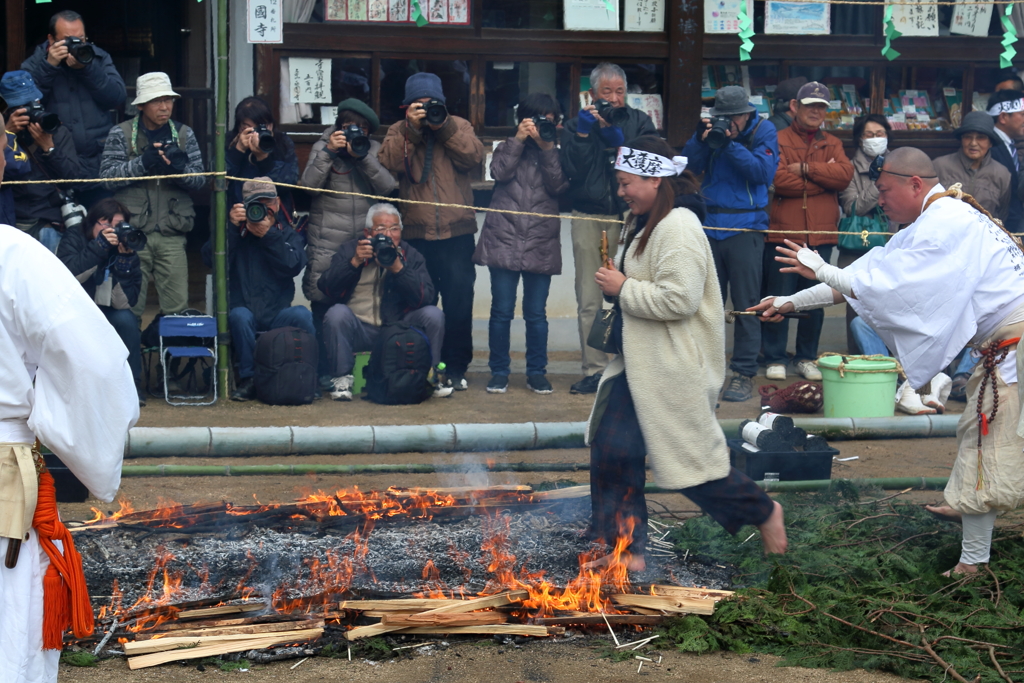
<point x="892" y="34"/>
<point x="746" y="32"/>
<point x="1009" y="38"/>
<point x="417" y="14"/>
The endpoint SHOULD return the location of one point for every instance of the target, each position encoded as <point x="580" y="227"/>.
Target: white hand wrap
<point x="818" y="296"/>
<point x="834" y="277"/>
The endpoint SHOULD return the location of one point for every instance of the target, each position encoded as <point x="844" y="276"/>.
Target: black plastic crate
<point x="69" y="489"/>
<point x="791" y="466"/>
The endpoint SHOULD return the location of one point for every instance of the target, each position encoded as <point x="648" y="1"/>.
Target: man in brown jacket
<point x="813" y="169"/>
<point x="433" y="152"/>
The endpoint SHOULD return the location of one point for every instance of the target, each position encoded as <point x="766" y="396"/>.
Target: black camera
<point x="131" y="238"/>
<point x="255" y="210"/>
<point x="384" y="249"/>
<point x="266" y="137"/>
<point x="717" y="136"/>
<point x="71" y="213"/>
<point x="80" y="49"/>
<point x="36" y="114"/>
<point x="616" y="116"/>
<point x="174" y="154"/>
<point x="547" y="131"/>
<point x="437" y="113"/>
<point x="357" y="139"/>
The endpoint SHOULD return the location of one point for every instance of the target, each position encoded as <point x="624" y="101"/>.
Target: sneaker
<point x="539" y="384"/>
<point x="740" y="388"/>
<point x="498" y="384"/>
<point x="142" y="397"/>
<point x="587" y="385"/>
<point x="958" y="389"/>
<point x="443" y="391"/>
<point x="245" y="391"/>
<point x="909" y="401"/>
<point x="938" y="394"/>
<point x="776" y="371"/>
<point x="325" y="382"/>
<point x="809" y="370"/>
<point x="341" y="388"/>
<point x="458" y="381"/>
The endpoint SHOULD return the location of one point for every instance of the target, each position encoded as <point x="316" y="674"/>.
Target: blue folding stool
<point x="200" y="328"/>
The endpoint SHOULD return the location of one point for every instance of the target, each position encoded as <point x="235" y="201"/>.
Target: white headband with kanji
<point x="639" y="162"/>
<point x="1007" y="107"/>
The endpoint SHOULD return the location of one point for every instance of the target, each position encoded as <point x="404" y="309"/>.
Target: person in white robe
<point x="952" y="278"/>
<point x="64" y="379"/>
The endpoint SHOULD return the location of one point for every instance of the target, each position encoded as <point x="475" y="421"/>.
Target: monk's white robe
<point x="64" y="378"/>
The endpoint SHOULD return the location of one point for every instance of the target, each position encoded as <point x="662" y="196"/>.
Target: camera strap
<point x="135" y="134"/>
<point x="428" y="157"/>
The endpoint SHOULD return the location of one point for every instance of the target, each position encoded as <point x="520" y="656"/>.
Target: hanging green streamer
<point x="746" y="32"/>
<point x="1009" y="38"/>
<point x="892" y="34"/>
<point x="417" y="14"/>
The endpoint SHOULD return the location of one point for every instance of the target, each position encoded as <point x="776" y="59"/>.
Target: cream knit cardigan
<point x="673" y="339"/>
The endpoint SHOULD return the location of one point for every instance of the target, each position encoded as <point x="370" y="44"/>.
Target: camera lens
<point x="717" y="135"/>
<point x="80" y="50"/>
<point x="255" y="211"/>
<point x="616" y="116"/>
<point x="266" y="138"/>
<point x="546" y="129"/>
<point x="437" y="113"/>
<point x="357" y="140"/>
<point x="36" y="114"/>
<point x="384" y="249"/>
<point x="130" y="237"/>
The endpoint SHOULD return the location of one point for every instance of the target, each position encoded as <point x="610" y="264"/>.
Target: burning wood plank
<point x="251" y="629"/>
<point x="143" y="647"/>
<point x="421" y="619"/>
<point x="220" y="648"/>
<point x="496" y="629"/>
<point x="588" y="619"/>
<point x="221" y="609"/>
<point x="463" y="606"/>
<point x="667" y="604"/>
<point x="689" y="592"/>
<point x="398" y="604"/>
<point x="568" y="493"/>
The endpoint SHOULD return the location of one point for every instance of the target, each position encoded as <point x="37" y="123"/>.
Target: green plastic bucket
<point x="858" y="393"/>
<point x="358" y="381"/>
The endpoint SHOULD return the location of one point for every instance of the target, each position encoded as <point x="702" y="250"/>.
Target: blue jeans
<point x="126" y="325"/>
<point x="504" y="284"/>
<point x="49" y="238"/>
<point x="867" y="339"/>
<point x="242" y="324"/>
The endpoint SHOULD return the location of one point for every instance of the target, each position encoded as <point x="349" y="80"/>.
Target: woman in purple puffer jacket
<point x="528" y="177"/>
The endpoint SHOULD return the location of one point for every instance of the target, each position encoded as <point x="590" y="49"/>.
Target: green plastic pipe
<point x="150" y="442"/>
<point x="220" y="215"/>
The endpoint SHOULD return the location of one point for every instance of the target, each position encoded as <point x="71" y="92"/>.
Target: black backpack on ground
<point x="399" y="366"/>
<point x="286" y="360"/>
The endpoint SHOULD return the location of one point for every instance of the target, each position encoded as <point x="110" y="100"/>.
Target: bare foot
<point x="633" y="563"/>
<point x="945" y="513"/>
<point x="773" y="532"/>
<point x="960" y="569"/>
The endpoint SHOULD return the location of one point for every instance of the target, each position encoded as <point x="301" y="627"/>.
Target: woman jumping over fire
<point x="658" y="394"/>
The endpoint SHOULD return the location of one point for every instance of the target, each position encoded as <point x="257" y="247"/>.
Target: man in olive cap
<point x="784" y="93"/>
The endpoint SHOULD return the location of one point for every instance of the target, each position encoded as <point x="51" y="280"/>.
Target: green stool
<point x="358" y="382"/>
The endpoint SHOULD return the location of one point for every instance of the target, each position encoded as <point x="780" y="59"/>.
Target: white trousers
<point x="977" y="537"/>
<point x="22" y="658"/>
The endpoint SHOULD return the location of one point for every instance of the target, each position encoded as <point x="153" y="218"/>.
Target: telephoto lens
<point x="357" y="140"/>
<point x="255" y="211"/>
<point x="547" y="130"/>
<point x="616" y="116"/>
<point x="49" y="121"/>
<point x="79" y="49"/>
<point x="384" y="249"/>
<point x="266" y="137"/>
<point x="71" y="214"/>
<point x="131" y="238"/>
<point x="717" y="135"/>
<point x="437" y="113"/>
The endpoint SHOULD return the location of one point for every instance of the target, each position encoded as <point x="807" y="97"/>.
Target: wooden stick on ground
<point x="222" y="609"/>
<point x="214" y="649"/>
<point x="484" y="629"/>
<point x="398" y="605"/>
<point x="468" y="619"/>
<point x="465" y="606"/>
<point x="670" y="604"/>
<point x="243" y="629"/>
<point x="143" y="647"/>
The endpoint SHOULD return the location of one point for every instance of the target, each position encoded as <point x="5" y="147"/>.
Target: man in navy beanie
<point x="433" y="152"/>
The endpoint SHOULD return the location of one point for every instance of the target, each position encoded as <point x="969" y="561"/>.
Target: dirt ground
<point x="481" y="660"/>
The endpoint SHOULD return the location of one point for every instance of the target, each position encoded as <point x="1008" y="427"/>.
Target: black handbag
<point x="600" y="336"/>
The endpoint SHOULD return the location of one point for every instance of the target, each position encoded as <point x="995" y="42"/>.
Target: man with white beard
<point x="65" y="380"/>
<point x="951" y="278"/>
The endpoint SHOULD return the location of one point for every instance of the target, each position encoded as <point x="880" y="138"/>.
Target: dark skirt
<point x="618" y="475"/>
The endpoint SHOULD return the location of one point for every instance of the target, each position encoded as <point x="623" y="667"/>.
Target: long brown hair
<point x="664" y="201"/>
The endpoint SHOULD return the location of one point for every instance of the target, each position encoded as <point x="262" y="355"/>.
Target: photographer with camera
<point x="16" y="167"/>
<point x="101" y="252"/>
<point x="589" y="145"/>
<point x="151" y="144"/>
<point x="256" y="148"/>
<point x="51" y="154"/>
<point x="528" y="177"/>
<point x="343" y="159"/>
<point x="81" y="85"/>
<point x="264" y="256"/>
<point x="737" y="152"/>
<point x="433" y="152"/>
<point x="374" y="280"/>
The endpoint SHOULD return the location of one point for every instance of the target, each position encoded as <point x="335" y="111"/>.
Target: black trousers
<point x="738" y="263"/>
<point x="451" y="268"/>
<point x="617" y="477"/>
<point x="775" y="336"/>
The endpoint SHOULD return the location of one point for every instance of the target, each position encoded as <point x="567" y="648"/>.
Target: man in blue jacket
<point x="738" y="167"/>
<point x="81" y="93"/>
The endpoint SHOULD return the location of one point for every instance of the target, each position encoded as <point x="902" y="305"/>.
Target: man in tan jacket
<point x="433" y="152"/>
<point x="813" y="170"/>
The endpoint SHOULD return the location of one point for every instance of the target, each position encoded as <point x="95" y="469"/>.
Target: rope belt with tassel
<point x="992" y="355"/>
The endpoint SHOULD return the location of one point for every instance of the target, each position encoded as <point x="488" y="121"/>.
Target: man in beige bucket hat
<point x="147" y="147"/>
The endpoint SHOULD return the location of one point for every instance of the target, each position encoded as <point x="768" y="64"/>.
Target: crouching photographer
<point x="102" y="253"/>
<point x="375" y="280"/>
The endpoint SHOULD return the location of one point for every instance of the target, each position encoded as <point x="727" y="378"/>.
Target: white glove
<point x="818" y="296"/>
<point x="836" y="278"/>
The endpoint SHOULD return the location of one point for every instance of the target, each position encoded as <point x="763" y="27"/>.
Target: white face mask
<point x="874" y="146"/>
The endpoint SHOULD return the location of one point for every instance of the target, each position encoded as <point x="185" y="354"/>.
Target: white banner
<point x="263" y="21"/>
<point x="309" y="80"/>
<point x="918" y="19"/>
<point x="970" y="20"/>
<point x="645" y="15"/>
